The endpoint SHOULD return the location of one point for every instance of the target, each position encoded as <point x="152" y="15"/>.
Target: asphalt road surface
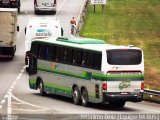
<point x="14" y="79"/>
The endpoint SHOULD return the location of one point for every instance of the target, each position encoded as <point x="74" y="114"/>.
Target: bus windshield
<point x="124" y="57"/>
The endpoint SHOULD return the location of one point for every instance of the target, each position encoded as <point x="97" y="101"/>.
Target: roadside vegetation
<point x="125" y="22"/>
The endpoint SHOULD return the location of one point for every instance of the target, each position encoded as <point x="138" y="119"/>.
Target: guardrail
<point x="81" y="17"/>
<point x="152" y="92"/>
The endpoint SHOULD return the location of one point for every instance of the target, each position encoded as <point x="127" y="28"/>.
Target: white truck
<point x="41" y="27"/>
<point x="8" y="32"/>
<point x="45" y="6"/>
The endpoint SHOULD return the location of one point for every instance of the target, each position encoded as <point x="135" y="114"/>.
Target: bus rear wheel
<point x="41" y="88"/>
<point x="84" y="97"/>
<point x="76" y="95"/>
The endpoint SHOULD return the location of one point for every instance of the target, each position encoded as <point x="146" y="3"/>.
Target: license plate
<point x="45" y="4"/>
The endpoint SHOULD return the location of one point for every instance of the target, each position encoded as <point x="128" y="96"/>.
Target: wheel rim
<point x="75" y="95"/>
<point x="40" y="87"/>
<point x="84" y="97"/>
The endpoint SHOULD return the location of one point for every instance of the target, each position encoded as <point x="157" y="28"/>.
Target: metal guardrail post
<point x="152" y="92"/>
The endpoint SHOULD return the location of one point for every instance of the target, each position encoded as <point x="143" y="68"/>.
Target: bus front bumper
<point x="108" y="97"/>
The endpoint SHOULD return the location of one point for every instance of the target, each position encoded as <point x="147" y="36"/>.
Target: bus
<point x="87" y="70"/>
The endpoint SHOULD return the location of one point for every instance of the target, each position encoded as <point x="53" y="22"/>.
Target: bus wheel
<point x="76" y="95"/>
<point x="41" y="88"/>
<point x="120" y="104"/>
<point x="84" y="97"/>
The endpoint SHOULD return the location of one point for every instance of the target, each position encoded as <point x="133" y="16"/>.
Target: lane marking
<point x="3" y="101"/>
<point x="12" y="87"/>
<point x="5" y="96"/>
<point x="60" y="7"/>
<point x="9" y="92"/>
<point x="29" y="110"/>
<point x="142" y="108"/>
<point x="19" y="100"/>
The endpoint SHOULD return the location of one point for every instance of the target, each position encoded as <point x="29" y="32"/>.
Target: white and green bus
<point x="88" y="70"/>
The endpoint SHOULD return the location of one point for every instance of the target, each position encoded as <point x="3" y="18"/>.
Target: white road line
<point x="20" y="74"/>
<point x="24" y="67"/>
<point x="60" y="6"/>
<point x="5" y="96"/>
<point x="0" y="106"/>
<point x="29" y="110"/>
<point x="9" y="105"/>
<point x="12" y="87"/>
<point x="3" y="101"/>
<point x="142" y="109"/>
<point x="10" y="90"/>
<point x="22" y="70"/>
<point x="14" y="83"/>
<point x="27" y="103"/>
<point x="18" y="77"/>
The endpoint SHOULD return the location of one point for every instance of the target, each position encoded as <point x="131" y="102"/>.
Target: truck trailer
<point x="8" y="33"/>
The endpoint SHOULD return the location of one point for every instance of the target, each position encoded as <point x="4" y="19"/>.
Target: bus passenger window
<point x="69" y="55"/>
<point x="84" y="58"/>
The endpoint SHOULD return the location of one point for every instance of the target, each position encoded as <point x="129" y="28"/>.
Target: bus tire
<point x="119" y="104"/>
<point x="76" y="95"/>
<point x="41" y="88"/>
<point x="84" y="97"/>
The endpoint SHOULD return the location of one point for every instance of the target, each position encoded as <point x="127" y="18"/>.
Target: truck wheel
<point x="84" y="97"/>
<point x="76" y="95"/>
<point x="19" y="10"/>
<point x="41" y="88"/>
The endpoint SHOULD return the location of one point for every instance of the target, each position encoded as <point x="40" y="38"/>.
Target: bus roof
<point x="84" y="43"/>
<point x="80" y="40"/>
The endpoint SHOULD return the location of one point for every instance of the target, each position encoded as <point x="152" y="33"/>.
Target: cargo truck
<point x="8" y="32"/>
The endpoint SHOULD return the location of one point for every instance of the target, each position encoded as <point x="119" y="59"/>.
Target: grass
<point x="125" y="22"/>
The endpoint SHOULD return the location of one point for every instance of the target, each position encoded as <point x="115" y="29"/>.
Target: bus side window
<point x="84" y="58"/>
<point x="70" y="55"/>
<point x="74" y="56"/>
<point x="64" y="55"/>
<point x="46" y="54"/>
<point x="79" y="58"/>
<point x="59" y="54"/>
<point x="53" y="53"/>
<point x="97" y="60"/>
<point x="42" y="52"/>
<point x="34" y="49"/>
<point x="90" y="60"/>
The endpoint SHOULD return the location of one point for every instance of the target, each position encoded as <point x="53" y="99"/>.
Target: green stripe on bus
<point x="32" y="83"/>
<point x="84" y="74"/>
<point x="96" y="76"/>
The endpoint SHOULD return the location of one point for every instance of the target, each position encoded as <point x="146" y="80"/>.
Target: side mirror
<point x="18" y="28"/>
<point x="62" y="31"/>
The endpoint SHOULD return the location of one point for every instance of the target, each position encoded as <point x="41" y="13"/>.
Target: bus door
<point x="32" y="64"/>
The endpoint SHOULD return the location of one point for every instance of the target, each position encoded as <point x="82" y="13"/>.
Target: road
<point x="14" y="79"/>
